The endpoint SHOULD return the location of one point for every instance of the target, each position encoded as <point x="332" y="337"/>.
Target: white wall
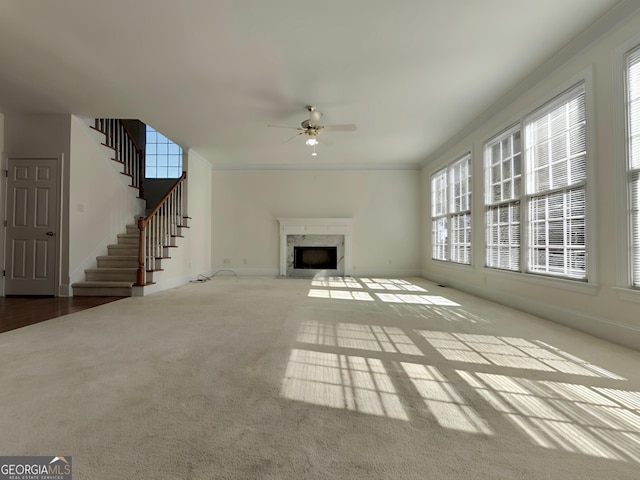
<point x="199" y="208"/>
<point x="101" y="201"/>
<point x="599" y="309"/>
<point x="384" y="206"/>
<point x="193" y="255"/>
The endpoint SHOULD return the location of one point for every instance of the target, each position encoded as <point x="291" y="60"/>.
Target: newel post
<point x="140" y="280"/>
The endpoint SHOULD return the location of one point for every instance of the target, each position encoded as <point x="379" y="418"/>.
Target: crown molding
<point x="618" y="15"/>
<point x="320" y="166"/>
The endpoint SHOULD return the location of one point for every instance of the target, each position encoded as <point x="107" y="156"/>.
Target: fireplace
<point x="315" y="258"/>
<point x="312" y="246"/>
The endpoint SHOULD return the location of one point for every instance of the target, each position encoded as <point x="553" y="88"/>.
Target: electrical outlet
<point x="226" y="261"/>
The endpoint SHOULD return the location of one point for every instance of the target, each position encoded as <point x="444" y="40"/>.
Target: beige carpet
<point x="263" y="378"/>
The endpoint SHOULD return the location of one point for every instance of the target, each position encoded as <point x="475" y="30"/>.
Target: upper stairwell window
<point x="163" y="158"/>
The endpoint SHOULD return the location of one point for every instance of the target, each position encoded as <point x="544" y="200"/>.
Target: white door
<point x="32" y="226"/>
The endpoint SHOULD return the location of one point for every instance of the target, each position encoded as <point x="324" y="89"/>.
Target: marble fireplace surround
<point x="318" y="232"/>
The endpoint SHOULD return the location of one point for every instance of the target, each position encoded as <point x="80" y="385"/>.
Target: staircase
<point x="116" y="272"/>
<point x="132" y="262"/>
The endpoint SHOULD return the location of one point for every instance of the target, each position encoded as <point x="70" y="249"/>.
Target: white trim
<point x="448" y="159"/>
<point x="622" y="334"/>
<point x="621" y="182"/>
<point x="446" y="264"/>
<point x="320" y="166"/>
<point x="619" y="14"/>
<point x="627" y="294"/>
<point x="591" y="208"/>
<point x="245" y="272"/>
<point x="195" y="155"/>
<point x="544" y="281"/>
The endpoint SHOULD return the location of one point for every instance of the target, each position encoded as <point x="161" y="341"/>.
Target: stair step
<point x="111" y="274"/>
<point x="102" y="289"/>
<point x="128" y="239"/>
<point x="122" y="250"/>
<point x="118" y="261"/>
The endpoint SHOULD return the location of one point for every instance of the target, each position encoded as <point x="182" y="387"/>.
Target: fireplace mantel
<point x="315" y="226"/>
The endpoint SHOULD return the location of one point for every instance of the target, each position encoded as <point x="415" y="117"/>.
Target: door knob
<point x="50" y="234"/>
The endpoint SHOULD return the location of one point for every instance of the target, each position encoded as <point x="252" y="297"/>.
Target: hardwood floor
<point x="16" y="312"/>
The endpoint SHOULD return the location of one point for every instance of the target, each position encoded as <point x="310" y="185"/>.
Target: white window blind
<point x="556" y="187"/>
<point x="503" y="175"/>
<point x="633" y="149"/>
<point x="451" y="212"/>
<point x="439" y="228"/>
<point x="460" y="209"/>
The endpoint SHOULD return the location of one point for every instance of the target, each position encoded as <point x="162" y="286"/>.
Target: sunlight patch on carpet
<point x="357" y="336"/>
<point x="342" y="381"/>
<point x="510" y="352"/>
<point x="594" y="421"/>
<point x="446" y="405"/>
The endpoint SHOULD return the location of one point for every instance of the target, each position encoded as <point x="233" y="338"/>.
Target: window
<point x="546" y="199"/>
<point x="451" y="212"/>
<point x="556" y="177"/>
<point x="633" y="153"/>
<point x="439" y="215"/>
<point x="503" y="167"/>
<point x="163" y="158"/>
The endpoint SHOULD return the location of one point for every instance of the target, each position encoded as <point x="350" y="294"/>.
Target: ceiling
<point x="212" y="74"/>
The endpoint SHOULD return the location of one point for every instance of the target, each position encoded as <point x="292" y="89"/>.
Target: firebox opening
<point x="315" y="258"/>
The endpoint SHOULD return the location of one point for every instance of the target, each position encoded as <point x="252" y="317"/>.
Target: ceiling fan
<point x="312" y="128"/>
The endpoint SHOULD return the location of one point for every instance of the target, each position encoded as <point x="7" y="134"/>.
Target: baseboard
<point x="162" y="285"/>
<point x="386" y="273"/>
<point x="64" y="290"/>
<point x="274" y="272"/>
<point x="621" y="334"/>
<point x="246" y="272"/>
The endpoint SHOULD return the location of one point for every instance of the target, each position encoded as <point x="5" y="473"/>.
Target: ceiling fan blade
<point x="283" y="126"/>
<point x="296" y="135"/>
<point x="349" y="127"/>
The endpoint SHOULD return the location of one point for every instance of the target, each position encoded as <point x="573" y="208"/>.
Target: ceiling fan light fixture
<point x="312" y="142"/>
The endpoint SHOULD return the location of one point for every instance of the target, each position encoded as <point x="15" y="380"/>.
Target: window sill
<point x="543" y="281"/>
<point x="450" y="264"/>
<point x="628" y="294"/>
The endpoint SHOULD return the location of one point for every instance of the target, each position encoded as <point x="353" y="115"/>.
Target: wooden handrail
<point x="133" y="140"/>
<point x="165" y="219"/>
<point x="164" y="199"/>
<point x="127" y="150"/>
